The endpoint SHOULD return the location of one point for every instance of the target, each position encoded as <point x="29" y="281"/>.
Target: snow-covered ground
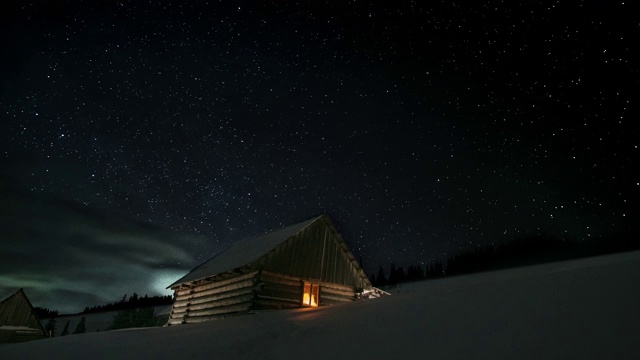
<point x="99" y="321"/>
<point x="581" y="309"/>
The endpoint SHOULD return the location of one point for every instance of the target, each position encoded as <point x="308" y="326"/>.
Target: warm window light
<point x="310" y="294"/>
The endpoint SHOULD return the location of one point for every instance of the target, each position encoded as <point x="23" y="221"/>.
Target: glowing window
<point x="310" y="294"/>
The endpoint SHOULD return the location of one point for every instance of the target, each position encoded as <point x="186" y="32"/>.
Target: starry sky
<point x="421" y="127"/>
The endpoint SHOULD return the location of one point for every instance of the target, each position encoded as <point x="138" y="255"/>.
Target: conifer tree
<point x="400" y="275"/>
<point x="372" y="279"/>
<point x="81" y="328"/>
<point x="393" y="276"/>
<point x="51" y="327"/>
<point x="142" y="317"/>
<point x="381" y="279"/>
<point x="65" y="329"/>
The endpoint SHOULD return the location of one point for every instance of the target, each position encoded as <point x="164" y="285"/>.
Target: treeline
<point x="133" y="311"/>
<point x="141" y="317"/>
<point x="536" y="249"/>
<point x="43" y="313"/>
<point x="398" y="275"/>
<point x="531" y="250"/>
<point x="51" y="325"/>
<point x="132" y="302"/>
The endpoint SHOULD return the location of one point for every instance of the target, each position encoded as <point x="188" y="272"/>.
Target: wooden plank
<point x="219" y="303"/>
<point x="216" y="284"/>
<point x="307" y="252"/>
<point x="175" y="321"/>
<point x="177" y="316"/>
<point x="275" y="303"/>
<point x="282" y="287"/>
<point x="180" y="303"/>
<point x="332" y="261"/>
<point x="224" y="295"/>
<point x="279" y="280"/>
<point x="224" y="289"/>
<point x="287" y="264"/>
<point x="241" y="306"/>
<point x="337" y="287"/>
<point x="293" y="296"/>
<point x="281" y="276"/>
<point x="336" y="298"/>
<point x="259" y="296"/>
<point x="230" y="287"/>
<point x="335" y="292"/>
<point x="179" y="311"/>
<point x="266" y="304"/>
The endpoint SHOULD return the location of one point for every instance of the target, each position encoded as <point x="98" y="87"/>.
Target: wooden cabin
<point x="306" y="264"/>
<point x="18" y="321"/>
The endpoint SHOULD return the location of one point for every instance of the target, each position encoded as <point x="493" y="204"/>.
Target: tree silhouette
<point x="81" y="328"/>
<point x="43" y="313"/>
<point x="142" y="317"/>
<point x="65" y="329"/>
<point x="372" y="279"/>
<point x="134" y="301"/>
<point x="393" y="279"/>
<point x="51" y="327"/>
<point x="439" y="269"/>
<point x="414" y="273"/>
<point x="381" y="279"/>
<point x="133" y="298"/>
<point x="400" y="275"/>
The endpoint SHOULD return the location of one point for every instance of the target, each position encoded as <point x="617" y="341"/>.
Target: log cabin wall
<point x="278" y="291"/>
<point x="208" y="300"/>
<point x="334" y="294"/>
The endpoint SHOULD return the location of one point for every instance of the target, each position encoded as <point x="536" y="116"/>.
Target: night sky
<point x="421" y="127"/>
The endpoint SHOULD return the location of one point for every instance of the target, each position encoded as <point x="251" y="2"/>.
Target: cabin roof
<point x="14" y="312"/>
<point x="243" y="252"/>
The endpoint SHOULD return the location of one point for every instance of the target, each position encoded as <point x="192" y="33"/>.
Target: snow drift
<point x="580" y="309"/>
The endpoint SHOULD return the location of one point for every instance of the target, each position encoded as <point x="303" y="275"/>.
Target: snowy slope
<point x="98" y="321"/>
<point x="582" y="309"/>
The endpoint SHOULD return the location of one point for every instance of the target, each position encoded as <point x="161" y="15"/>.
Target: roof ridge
<point x="254" y="247"/>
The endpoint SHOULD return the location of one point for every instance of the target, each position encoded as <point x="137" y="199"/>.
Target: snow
<point x="243" y="252"/>
<point x="580" y="309"/>
<point x="9" y="327"/>
<point x="98" y="321"/>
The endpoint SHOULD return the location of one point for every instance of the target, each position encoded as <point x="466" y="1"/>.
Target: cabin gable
<point x="18" y="321"/>
<point x="318" y="253"/>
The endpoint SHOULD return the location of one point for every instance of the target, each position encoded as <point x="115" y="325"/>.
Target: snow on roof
<point x="9" y="327"/>
<point x="243" y="252"/>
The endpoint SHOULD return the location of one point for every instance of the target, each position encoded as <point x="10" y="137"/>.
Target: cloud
<point x="67" y="256"/>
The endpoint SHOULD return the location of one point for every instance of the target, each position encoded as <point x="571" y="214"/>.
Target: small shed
<point x="18" y="321"/>
<point x="306" y="264"/>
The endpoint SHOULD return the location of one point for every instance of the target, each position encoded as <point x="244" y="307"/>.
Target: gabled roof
<point x="16" y="310"/>
<point x="243" y="252"/>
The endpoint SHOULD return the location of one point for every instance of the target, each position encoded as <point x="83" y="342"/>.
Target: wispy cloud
<point x="67" y="256"/>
